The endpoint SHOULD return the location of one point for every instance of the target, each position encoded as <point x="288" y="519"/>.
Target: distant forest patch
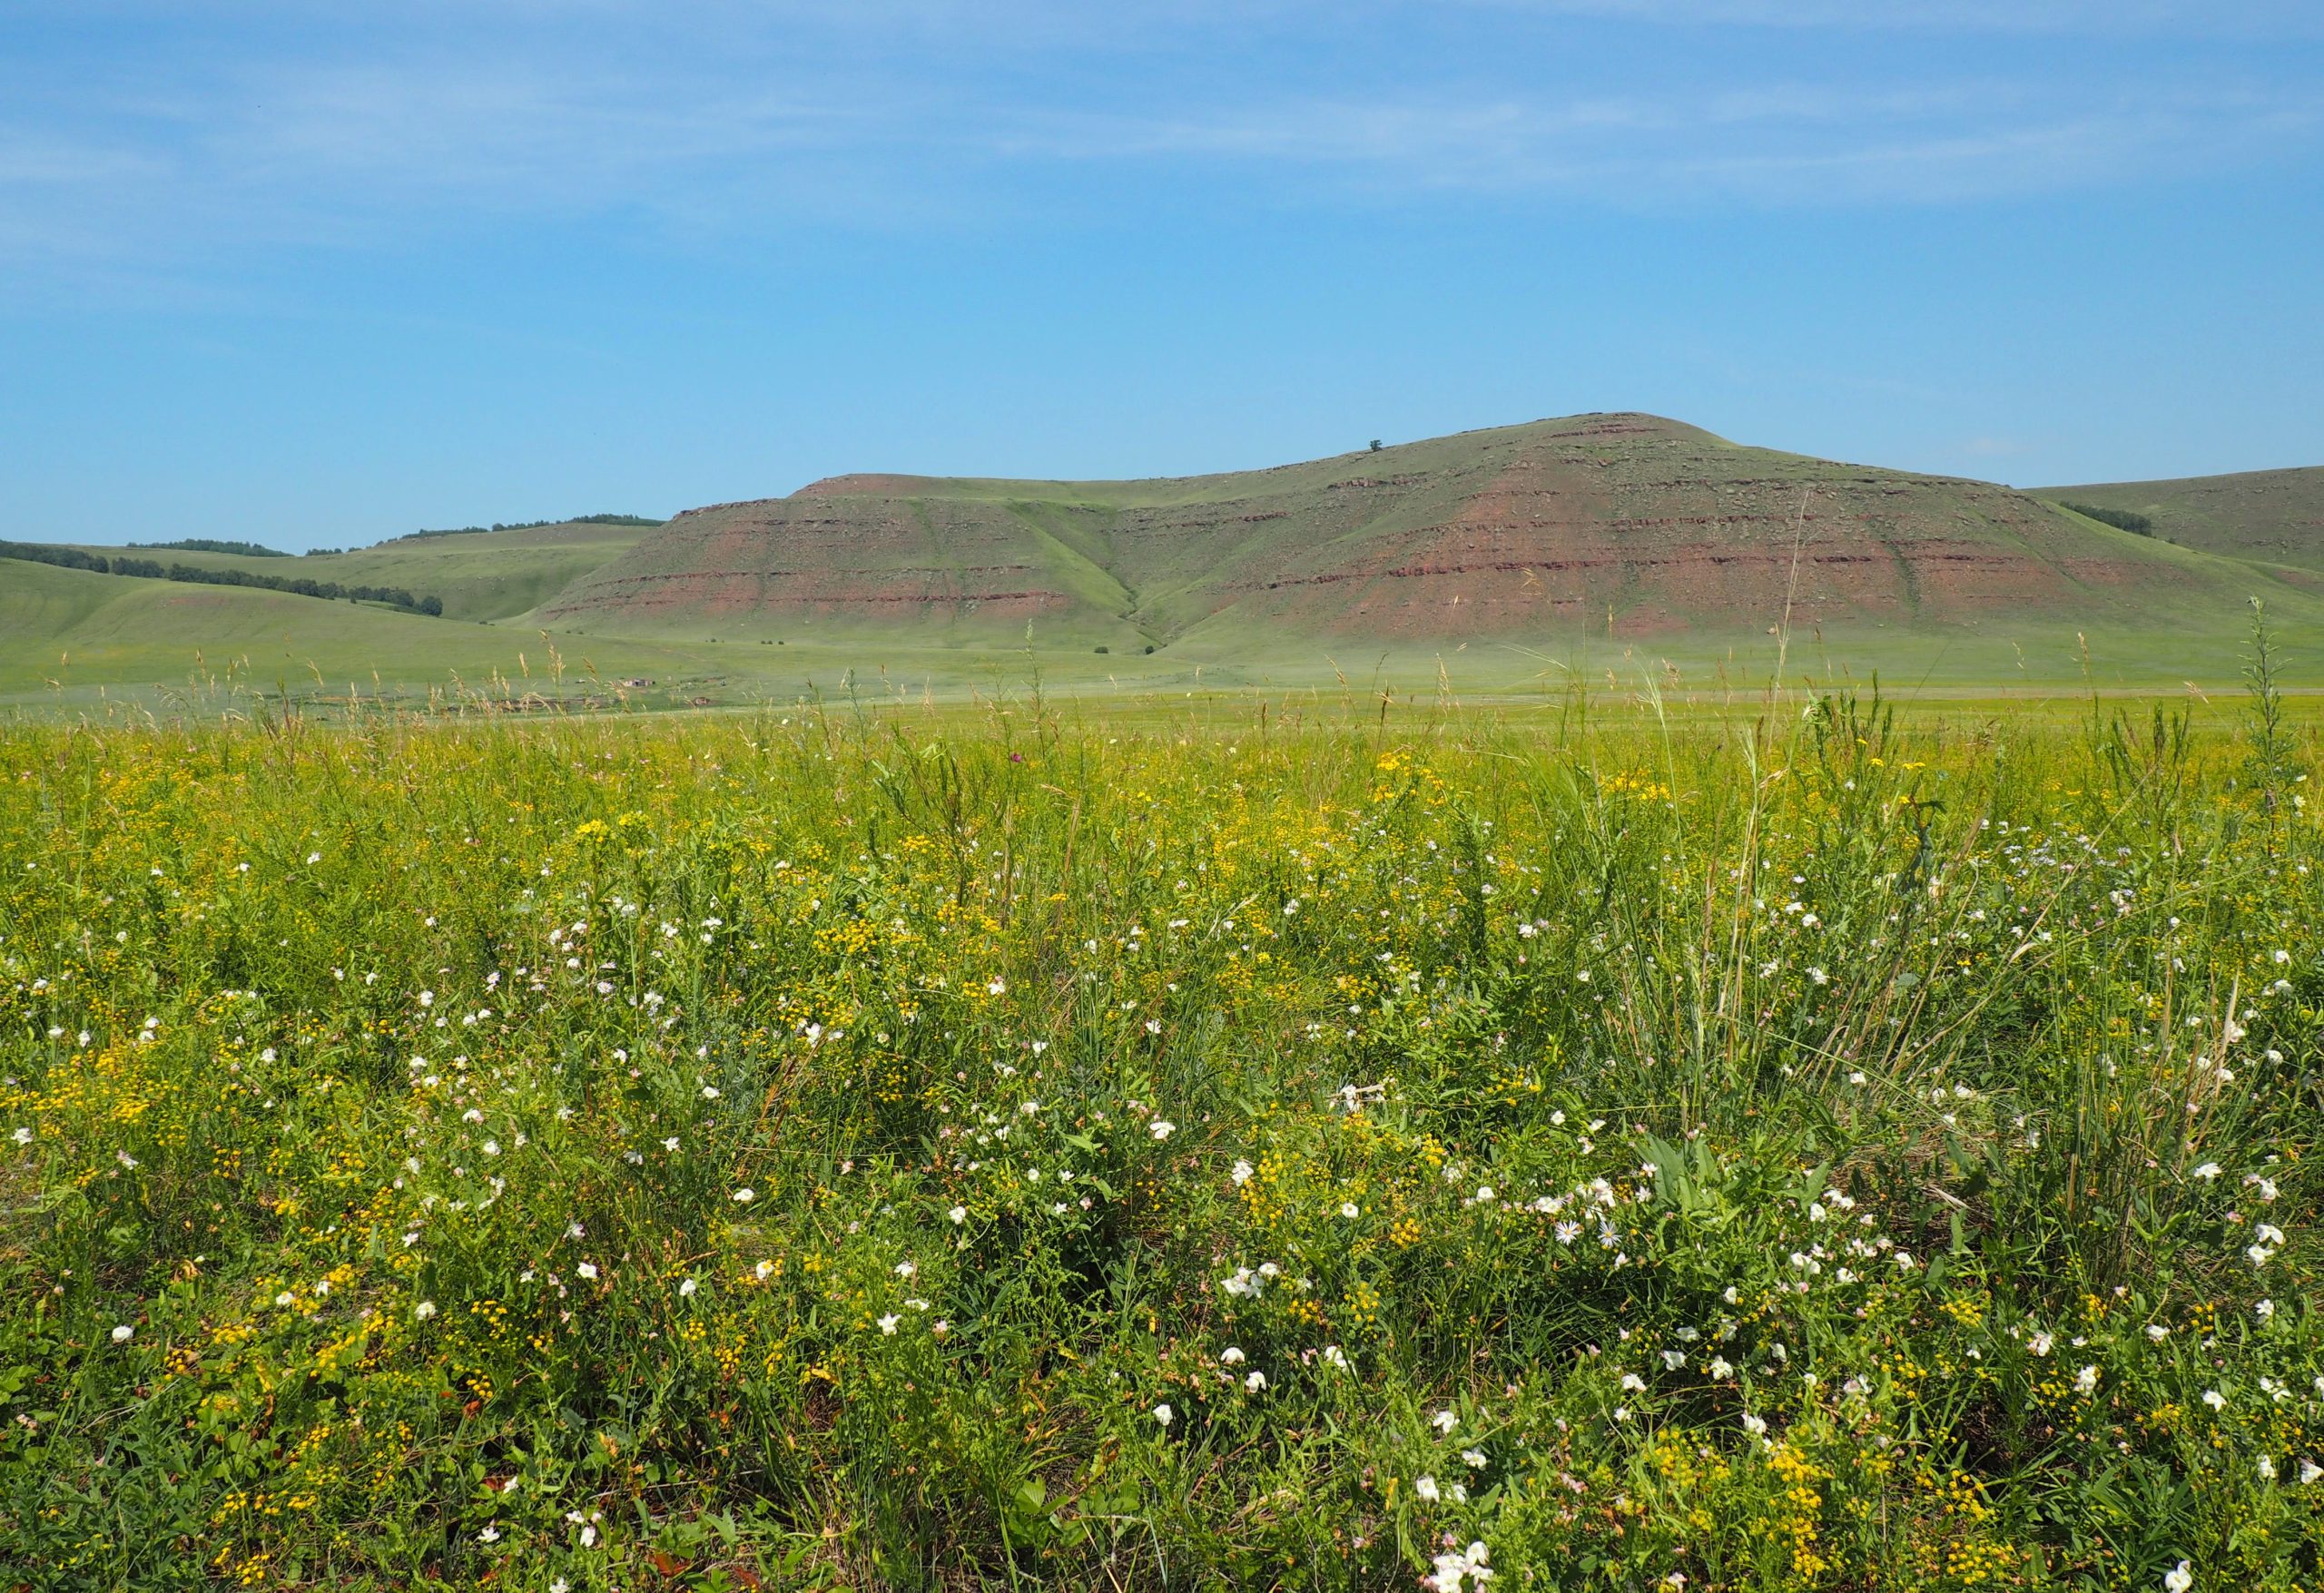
<point x="119" y="564"/>
<point x="213" y="545"/>
<point x="536" y="524"/>
<point x="2121" y="519"/>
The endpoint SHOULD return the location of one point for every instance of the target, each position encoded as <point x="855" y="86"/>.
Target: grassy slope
<point x="74" y="630"/>
<point x="2275" y="516"/>
<point x="1172" y="562"/>
<point x="489" y="576"/>
<point x="1529" y="536"/>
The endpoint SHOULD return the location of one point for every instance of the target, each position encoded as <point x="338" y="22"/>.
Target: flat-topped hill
<point x="1633" y="522"/>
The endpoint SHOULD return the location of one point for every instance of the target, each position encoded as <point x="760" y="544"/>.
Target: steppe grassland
<point x="1791" y="1151"/>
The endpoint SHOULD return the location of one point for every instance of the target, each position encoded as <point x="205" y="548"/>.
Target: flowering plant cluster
<point x="962" y="1150"/>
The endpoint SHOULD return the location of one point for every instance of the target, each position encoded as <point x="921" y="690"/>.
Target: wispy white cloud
<point x="1783" y="144"/>
<point x="734" y="118"/>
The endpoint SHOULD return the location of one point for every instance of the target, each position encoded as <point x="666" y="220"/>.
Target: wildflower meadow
<point x="1801" y="1146"/>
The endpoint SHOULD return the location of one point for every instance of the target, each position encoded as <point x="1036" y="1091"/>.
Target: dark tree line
<point x="536" y="525"/>
<point x="213" y="545"/>
<point x="73" y="558"/>
<point x="2121" y="519"/>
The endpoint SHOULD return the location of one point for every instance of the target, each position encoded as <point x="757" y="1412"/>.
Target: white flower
<point x="1673" y="1358"/>
<point x="1445" y="1420"/>
<point x="1473" y="1459"/>
<point x="2207" y="1172"/>
<point x="743" y="1196"/>
<point x="2214" y="1398"/>
<point x="686" y="1289"/>
<point x="1756" y="1425"/>
<point x="2179" y="1578"/>
<point x="905" y="1269"/>
<point x="1426" y="1488"/>
<point x="1720" y="1368"/>
<point x="2267" y="1468"/>
<point x="2040" y="1343"/>
<point x="2157" y="1332"/>
<point x="997" y="988"/>
<point x="1241" y="1175"/>
<point x="1349" y="1210"/>
<point x="2310" y="1471"/>
<point x="2085" y="1382"/>
<point x="424" y="1310"/>
<point x="888" y="1325"/>
<point x="1454" y="1568"/>
<point x="1164" y="1414"/>
<point x="1230" y="1356"/>
<point x="1634" y="1384"/>
<point x="958" y="1213"/>
<point x="489" y="1535"/>
<point x="1162" y="1129"/>
<point x="124" y="1333"/>
<point x="1254" y="1382"/>
<point x="23" y="1137"/>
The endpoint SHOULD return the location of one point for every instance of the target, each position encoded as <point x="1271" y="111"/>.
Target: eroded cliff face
<point x="1627" y="520"/>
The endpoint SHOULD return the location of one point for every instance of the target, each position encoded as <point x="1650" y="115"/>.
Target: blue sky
<point x="324" y="274"/>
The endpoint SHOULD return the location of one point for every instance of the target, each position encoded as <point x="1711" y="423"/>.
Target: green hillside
<point x="2273" y="516"/>
<point x="480" y="575"/>
<point x="1618" y="549"/>
<point x="65" y="632"/>
<point x="1623" y="527"/>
